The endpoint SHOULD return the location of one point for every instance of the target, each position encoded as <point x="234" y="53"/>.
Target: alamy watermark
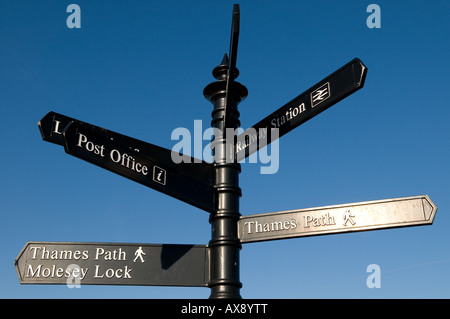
<point x="374" y="19"/>
<point x="74" y="278"/>
<point x="74" y="19"/>
<point x="224" y="146"/>
<point x="374" y="279"/>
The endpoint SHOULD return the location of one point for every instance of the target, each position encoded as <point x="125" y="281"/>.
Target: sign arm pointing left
<point x="67" y="263"/>
<point x="145" y="163"/>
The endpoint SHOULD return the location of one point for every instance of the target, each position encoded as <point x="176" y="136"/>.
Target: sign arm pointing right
<point x="334" y="88"/>
<point x="362" y="216"/>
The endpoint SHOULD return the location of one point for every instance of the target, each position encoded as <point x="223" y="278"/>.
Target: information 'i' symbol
<point x="159" y="175"/>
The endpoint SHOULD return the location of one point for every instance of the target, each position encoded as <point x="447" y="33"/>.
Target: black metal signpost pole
<point x="225" y="245"/>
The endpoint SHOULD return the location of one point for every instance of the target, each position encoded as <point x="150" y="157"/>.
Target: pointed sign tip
<point x="361" y="70"/>
<point x="429" y="208"/>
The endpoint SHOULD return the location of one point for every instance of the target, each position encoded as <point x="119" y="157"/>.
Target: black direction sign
<point x="91" y="144"/>
<point x="52" y="125"/>
<point x="190" y="172"/>
<point x="234" y="38"/>
<point x="75" y="264"/>
<point x="337" y="86"/>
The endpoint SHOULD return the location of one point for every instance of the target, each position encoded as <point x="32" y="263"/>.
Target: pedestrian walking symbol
<point x="138" y="253"/>
<point x="348" y="218"/>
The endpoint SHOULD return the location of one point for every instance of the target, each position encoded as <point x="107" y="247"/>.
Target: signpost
<point x="213" y="187"/>
<point x="113" y="264"/>
<point x="389" y="213"/>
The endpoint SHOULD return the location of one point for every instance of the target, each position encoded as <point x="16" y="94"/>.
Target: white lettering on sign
<point x="89" y="146"/>
<point x="288" y="116"/>
<point x="112" y="273"/>
<point x="51" y="263"/>
<point x="43" y="253"/>
<point x="257" y="227"/>
<point x="291" y="224"/>
<point x="128" y="161"/>
<point x="116" y="254"/>
<point x="40" y="271"/>
<point x="56" y="130"/>
<point x="122" y="159"/>
<point x="323" y="220"/>
<point x="252" y="137"/>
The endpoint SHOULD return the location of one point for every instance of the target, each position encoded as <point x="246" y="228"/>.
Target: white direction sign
<point x="389" y="213"/>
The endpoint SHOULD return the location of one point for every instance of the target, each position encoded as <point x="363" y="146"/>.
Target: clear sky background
<point x="139" y="68"/>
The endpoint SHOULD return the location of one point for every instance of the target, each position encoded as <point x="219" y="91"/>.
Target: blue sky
<point x="139" y="68"/>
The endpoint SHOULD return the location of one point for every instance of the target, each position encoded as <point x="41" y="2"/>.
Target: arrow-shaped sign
<point x="389" y="213"/>
<point x="52" y="125"/>
<point x="91" y="144"/>
<point x="317" y="99"/>
<point x="232" y="71"/>
<point x="191" y="180"/>
<point x="66" y="263"/>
